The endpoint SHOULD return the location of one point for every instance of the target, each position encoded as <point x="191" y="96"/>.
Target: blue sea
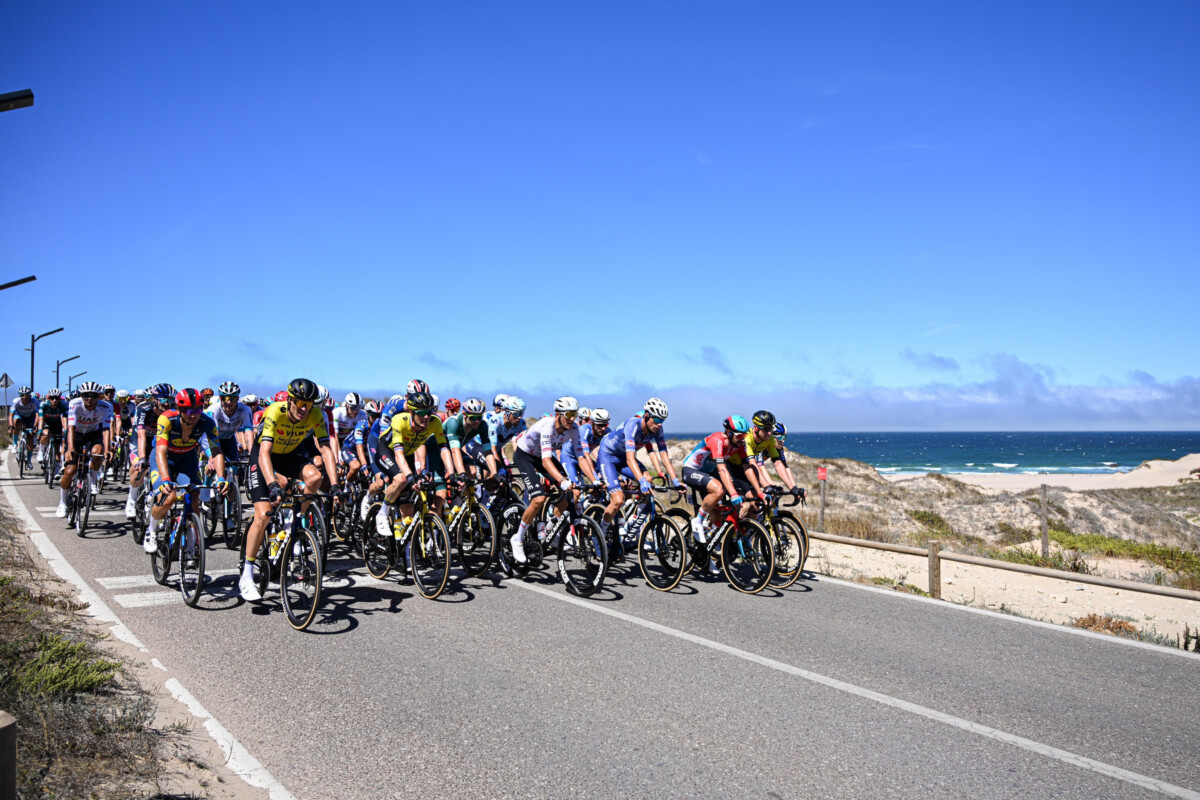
<point x="1031" y="452"/>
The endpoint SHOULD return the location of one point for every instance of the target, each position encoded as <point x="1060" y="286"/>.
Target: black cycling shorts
<point x="531" y="469"/>
<point x="289" y="465"/>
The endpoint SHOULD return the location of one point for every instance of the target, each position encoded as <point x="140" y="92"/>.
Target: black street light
<point x="22" y="98"/>
<point x="32" y="340"/>
<point x="71" y="379"/>
<point x="11" y="284"/>
<point x="57" y="366"/>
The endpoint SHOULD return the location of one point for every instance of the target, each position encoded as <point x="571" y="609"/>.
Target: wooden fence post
<point x="1045" y="530"/>
<point x="821" y="514"/>
<point x="8" y="756"/>
<point x="935" y="569"/>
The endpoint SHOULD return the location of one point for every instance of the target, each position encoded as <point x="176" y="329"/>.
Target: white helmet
<point x="601" y="415"/>
<point x="514" y="405"/>
<point x="564" y="404"/>
<point x="122" y="394"/>
<point x="473" y="405"/>
<point x="417" y="385"/>
<point x="585" y="413"/>
<point x="656" y="408"/>
<point x="322" y="394"/>
<point x="353" y="400"/>
<point x="499" y="400"/>
<point x="437" y="403"/>
<point x="250" y="399"/>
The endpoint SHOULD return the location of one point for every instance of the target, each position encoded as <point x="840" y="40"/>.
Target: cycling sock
<point x="702" y="516"/>
<point x="62" y="496"/>
<point x="133" y="493"/>
<point x="520" y="535"/>
<point x="153" y="525"/>
<point x="248" y="568"/>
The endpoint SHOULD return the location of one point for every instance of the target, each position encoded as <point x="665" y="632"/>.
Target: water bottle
<point x="541" y="531"/>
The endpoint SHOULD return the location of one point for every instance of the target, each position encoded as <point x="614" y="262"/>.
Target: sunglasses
<point x="191" y="412"/>
<point x="658" y="420"/>
<point x="422" y="414"/>
<point x="303" y="405"/>
<point x="473" y="417"/>
<point x="90" y="396"/>
<point x="570" y="414"/>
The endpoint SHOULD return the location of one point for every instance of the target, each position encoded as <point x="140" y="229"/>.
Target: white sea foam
<point x="888" y="469"/>
<point x="1004" y="466"/>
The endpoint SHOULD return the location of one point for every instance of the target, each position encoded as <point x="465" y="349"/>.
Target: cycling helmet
<point x="281" y="396"/>
<point x="207" y="393"/>
<point x="304" y="390"/>
<point x="600" y="416"/>
<point x="655" y="408"/>
<point x="137" y="393"/>
<point x="108" y="387"/>
<point x="416" y="385"/>
<point x="163" y="391"/>
<point x="473" y="405"/>
<point x="371" y="408"/>
<point x="24" y="390"/>
<point x="436" y="402"/>
<point x="75" y="393"/>
<point x="499" y="399"/>
<point x="396" y="399"/>
<point x="737" y="424"/>
<point x="89" y="387"/>
<point x="250" y="399"/>
<point x="780" y="430"/>
<point x="514" y="405"/>
<point x="565" y="404"/>
<point x="322" y="394"/>
<point x="122" y="394"/>
<point x="421" y="401"/>
<point x="764" y="420"/>
<point x="189" y="398"/>
<point x="452" y="405"/>
<point x="229" y="388"/>
<point x="51" y="394"/>
<point x="585" y="413"/>
<point x="353" y="400"/>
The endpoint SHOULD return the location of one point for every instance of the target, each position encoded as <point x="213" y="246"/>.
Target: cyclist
<point x="453" y="406"/>
<point x="346" y="418"/>
<point x="22" y="416"/>
<point x="354" y="444"/>
<point x="275" y="458"/>
<point x="141" y="447"/>
<point x="466" y="433"/>
<point x="716" y="468"/>
<point x="618" y="450"/>
<point x="534" y="457"/>
<point x="89" y="423"/>
<point x="176" y="453"/>
<point x="506" y="426"/>
<point x="235" y="422"/>
<point x="760" y="445"/>
<point x="50" y="421"/>
<point x="570" y="453"/>
<point x="403" y="458"/>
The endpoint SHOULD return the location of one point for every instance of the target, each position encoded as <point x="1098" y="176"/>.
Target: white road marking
<point x="1064" y="756"/>
<point x="134" y="581"/>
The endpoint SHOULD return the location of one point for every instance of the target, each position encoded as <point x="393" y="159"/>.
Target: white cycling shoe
<point x="150" y="543"/>
<point x="61" y="511"/>
<point x="518" y="548"/>
<point x="382" y="526"/>
<point x="130" y="508"/>
<point x="248" y="590"/>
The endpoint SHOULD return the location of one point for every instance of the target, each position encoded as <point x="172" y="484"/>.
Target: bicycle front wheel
<point x="300" y="571"/>
<point x="191" y="560"/>
<point x="233" y="507"/>
<point x="84" y="504"/>
<point x="747" y="557"/>
<point x="582" y="557"/>
<point x="376" y="549"/>
<point x="662" y="553"/>
<point x="790" y="552"/>
<point x="429" y="556"/>
<point x="160" y="559"/>
<point x="477" y="541"/>
<point x="510" y="521"/>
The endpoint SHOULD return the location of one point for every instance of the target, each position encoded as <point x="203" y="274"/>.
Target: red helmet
<point x="281" y="396"/>
<point x="207" y="392"/>
<point x="452" y="405"/>
<point x="188" y="398"/>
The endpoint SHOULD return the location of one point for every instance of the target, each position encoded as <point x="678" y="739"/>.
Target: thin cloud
<point x="258" y="352"/>
<point x="430" y="360"/>
<point x="930" y="361"/>
<point x="940" y="329"/>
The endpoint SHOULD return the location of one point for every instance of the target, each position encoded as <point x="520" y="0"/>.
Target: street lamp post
<point x="11" y="284"/>
<point x="57" y="384"/>
<point x="22" y="98"/>
<point x="32" y="340"/>
<point x="72" y="378"/>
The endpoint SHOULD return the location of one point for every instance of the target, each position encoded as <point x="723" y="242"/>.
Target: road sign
<point x="5" y="381"/>
<point x="821" y="473"/>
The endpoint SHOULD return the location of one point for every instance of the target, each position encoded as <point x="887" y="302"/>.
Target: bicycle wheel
<point x="84" y="504"/>
<point x="139" y="519"/>
<point x="429" y="556"/>
<point x="795" y="520"/>
<point x="160" y="559"/>
<point x="582" y="557"/>
<point x="21" y="454"/>
<point x="747" y="557"/>
<point x="662" y="553"/>
<point x="341" y="522"/>
<point x="476" y="541"/>
<point x="190" y="555"/>
<point x="510" y="520"/>
<point x="300" y="570"/>
<point x="789" y="554"/>
<point x="376" y="550"/>
<point x="233" y="507"/>
<point x="314" y="518"/>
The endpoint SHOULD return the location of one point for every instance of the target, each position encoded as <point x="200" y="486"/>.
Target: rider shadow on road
<point x="104" y="530"/>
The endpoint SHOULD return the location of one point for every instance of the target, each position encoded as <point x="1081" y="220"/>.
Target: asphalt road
<point x="516" y="689"/>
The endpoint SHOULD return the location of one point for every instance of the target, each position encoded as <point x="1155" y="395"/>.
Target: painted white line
<point x="135" y="581"/>
<point x="246" y="766"/>
<point x="1064" y="756"/>
<point x="145" y="599"/>
<point x="240" y="761"/>
<point x="1050" y="626"/>
<point x="158" y="664"/>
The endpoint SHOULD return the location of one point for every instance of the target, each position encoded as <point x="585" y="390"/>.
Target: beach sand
<point x="1151" y="473"/>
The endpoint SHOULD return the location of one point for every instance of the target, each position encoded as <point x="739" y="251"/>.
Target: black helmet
<point x="764" y="420"/>
<point x="304" y="390"/>
<point x="420" y="401"/>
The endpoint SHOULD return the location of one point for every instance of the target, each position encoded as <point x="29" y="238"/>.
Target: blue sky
<point x="870" y="216"/>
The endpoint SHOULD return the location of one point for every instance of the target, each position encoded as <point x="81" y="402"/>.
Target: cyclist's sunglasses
<point x="569" y="414"/>
<point x="473" y="417"/>
<point x="191" y="412"/>
<point x="422" y="414"/>
<point x="658" y="420"/>
<point x="303" y="405"/>
<point x="89" y="396"/>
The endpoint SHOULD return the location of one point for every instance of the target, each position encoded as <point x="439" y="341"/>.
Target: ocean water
<point x="1030" y="452"/>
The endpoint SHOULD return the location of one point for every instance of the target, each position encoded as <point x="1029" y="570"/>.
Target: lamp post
<point x="11" y="284"/>
<point x="72" y="378"/>
<point x="32" y="340"/>
<point x="22" y="98"/>
<point x="58" y="366"/>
